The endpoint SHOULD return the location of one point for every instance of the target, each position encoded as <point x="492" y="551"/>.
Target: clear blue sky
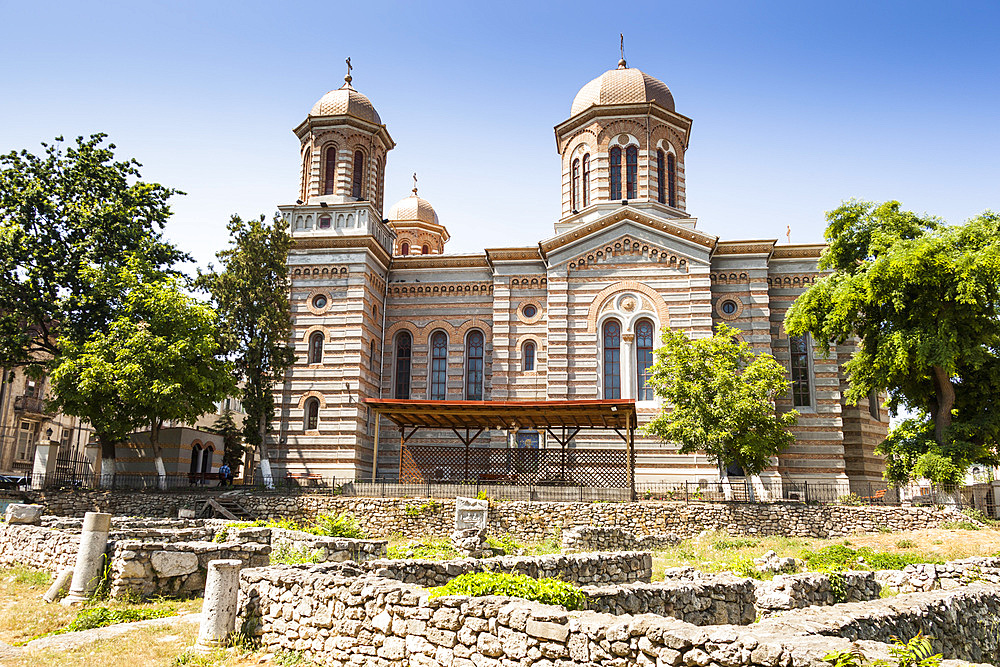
<point x="796" y="105"/>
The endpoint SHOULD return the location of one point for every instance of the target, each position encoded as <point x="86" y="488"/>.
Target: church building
<point x="381" y="310"/>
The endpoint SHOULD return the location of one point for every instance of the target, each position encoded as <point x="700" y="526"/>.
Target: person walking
<point x="225" y="474"/>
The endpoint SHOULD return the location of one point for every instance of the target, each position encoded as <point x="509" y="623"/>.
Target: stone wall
<point x="324" y="549"/>
<point x="174" y="568"/>
<point x="38" y="546"/>
<point x="382" y="517"/>
<point x="808" y="589"/>
<point x="931" y="576"/>
<point x="722" y="600"/>
<point x="603" y="538"/>
<point x="345" y="618"/>
<point x="580" y="569"/>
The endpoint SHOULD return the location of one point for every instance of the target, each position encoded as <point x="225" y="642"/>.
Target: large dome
<point x="411" y="209"/>
<point x="625" y="85"/>
<point x="345" y="101"/>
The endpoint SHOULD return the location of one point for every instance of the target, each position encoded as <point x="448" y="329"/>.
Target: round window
<point x="729" y="307"/>
<point x="529" y="310"/>
<point x="319" y="301"/>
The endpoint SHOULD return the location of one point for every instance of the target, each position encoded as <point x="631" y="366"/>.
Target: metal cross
<point x="622" y="35"/>
<point x="414" y="182"/>
<point x="349" y="68"/>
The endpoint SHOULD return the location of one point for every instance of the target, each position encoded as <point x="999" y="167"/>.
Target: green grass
<point x="960" y="525"/>
<point x="546" y="591"/>
<point x="324" y="525"/>
<point x="286" y="554"/>
<point x="438" y="548"/>
<point x="837" y="557"/>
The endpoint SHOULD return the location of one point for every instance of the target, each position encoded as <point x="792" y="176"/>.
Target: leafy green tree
<point x="251" y="293"/>
<point x="923" y="299"/>
<point x="61" y="213"/>
<point x="160" y="359"/>
<point x="232" y="440"/>
<point x="719" y="399"/>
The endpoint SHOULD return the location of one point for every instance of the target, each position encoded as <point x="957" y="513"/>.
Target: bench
<point x="879" y="497"/>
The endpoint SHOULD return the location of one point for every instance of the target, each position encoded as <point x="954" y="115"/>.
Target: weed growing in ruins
<point x="837" y="557"/>
<point x="745" y="567"/>
<point x="286" y="658"/>
<point x="505" y="544"/>
<point x="960" y="525"/>
<point x="429" y="507"/>
<point x="427" y="549"/>
<point x="725" y="544"/>
<point x="838" y="586"/>
<point x="978" y="515"/>
<point x="917" y="652"/>
<point x="546" y="591"/>
<point x="342" y="525"/>
<point x="286" y="554"/>
<point x="27" y="576"/>
<point x="905" y="544"/>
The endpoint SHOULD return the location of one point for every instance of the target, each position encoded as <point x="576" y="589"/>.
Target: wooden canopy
<point x="561" y="420"/>
<point x="507" y="415"/>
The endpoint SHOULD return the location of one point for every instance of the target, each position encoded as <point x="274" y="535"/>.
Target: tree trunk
<point x="107" y="478"/>
<point x="945" y="394"/>
<point x="265" y="463"/>
<point x="727" y="488"/>
<point x="154" y="439"/>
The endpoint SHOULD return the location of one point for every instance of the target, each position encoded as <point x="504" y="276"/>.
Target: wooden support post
<point x="378" y="420"/>
<point x="630" y="443"/>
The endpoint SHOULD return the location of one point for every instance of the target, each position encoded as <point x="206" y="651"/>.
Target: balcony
<point x="31" y="405"/>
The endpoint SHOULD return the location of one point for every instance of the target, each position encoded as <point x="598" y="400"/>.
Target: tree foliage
<point x="923" y="298"/>
<point x="159" y="359"/>
<point x="251" y="293"/>
<point x="720" y="399"/>
<point x="67" y="218"/>
<point x="232" y="440"/>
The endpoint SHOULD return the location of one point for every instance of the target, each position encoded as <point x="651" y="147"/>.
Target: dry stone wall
<point x="603" y="538"/>
<point x="38" y="546"/>
<point x="931" y="576"/>
<point x="808" y="589"/>
<point x="382" y="517"/>
<point x="340" y="617"/>
<point x="174" y="568"/>
<point x="722" y="600"/>
<point x="579" y="569"/>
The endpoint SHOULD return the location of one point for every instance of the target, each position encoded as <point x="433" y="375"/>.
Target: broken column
<point x="218" y="611"/>
<point x="57" y="587"/>
<point x="90" y="557"/>
<point x="471" y="519"/>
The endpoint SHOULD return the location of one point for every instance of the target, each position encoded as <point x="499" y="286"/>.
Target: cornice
<point x="627" y="213"/>
<point x="530" y="253"/>
<point x="440" y="262"/>
<point x="312" y="123"/>
<point x="799" y="250"/>
<point x="340" y="242"/>
<point x="751" y="247"/>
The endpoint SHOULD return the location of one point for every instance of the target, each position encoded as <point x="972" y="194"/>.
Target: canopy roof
<point x="539" y="415"/>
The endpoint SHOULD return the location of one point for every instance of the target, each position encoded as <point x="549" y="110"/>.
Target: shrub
<point x="430" y="549"/>
<point x="851" y="499"/>
<point x="546" y="591"/>
<point x="342" y="525"/>
<point x="905" y="544"/>
<point x="507" y="544"/>
<point x="726" y="544"/>
<point x="980" y="516"/>
<point x="745" y="567"/>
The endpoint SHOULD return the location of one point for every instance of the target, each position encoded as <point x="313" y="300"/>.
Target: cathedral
<point x="382" y="311"/>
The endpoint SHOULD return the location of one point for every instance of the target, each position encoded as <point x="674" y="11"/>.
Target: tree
<point x="61" y="214"/>
<point x="923" y="299"/>
<point x="251" y="295"/>
<point x="720" y="396"/>
<point x="160" y="359"/>
<point x="232" y="439"/>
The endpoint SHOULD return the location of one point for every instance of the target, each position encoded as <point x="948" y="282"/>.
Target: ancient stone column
<point x="218" y="611"/>
<point x="90" y="557"/>
<point x="61" y="582"/>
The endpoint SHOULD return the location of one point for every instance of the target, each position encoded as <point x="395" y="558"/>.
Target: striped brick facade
<point x="610" y="260"/>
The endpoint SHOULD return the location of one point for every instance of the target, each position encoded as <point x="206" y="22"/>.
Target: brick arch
<point x="313" y="329"/>
<point x="424" y="332"/>
<point x="312" y="393"/>
<point x="662" y="312"/>
<point x="617" y="127"/>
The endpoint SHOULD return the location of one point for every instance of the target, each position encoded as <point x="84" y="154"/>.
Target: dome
<point x="345" y="101"/>
<point x="411" y="209"/>
<point x="625" y="85"/>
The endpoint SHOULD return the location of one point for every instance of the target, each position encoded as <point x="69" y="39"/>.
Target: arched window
<point x="357" y="187"/>
<point x="528" y="357"/>
<point x="379" y="173"/>
<point x="643" y="359"/>
<point x="330" y="171"/>
<point x="316" y="348"/>
<point x="206" y="460"/>
<point x="612" y="337"/>
<point x="195" y="467"/>
<point x="404" y="343"/>
<point x="306" y="163"/>
<point x="439" y="366"/>
<point x="425" y="250"/>
<point x="586" y="180"/>
<point x="371" y="355"/>
<point x="404" y="249"/>
<point x="631" y="172"/>
<point x="671" y="181"/>
<point x="616" y="172"/>
<point x="801" y="378"/>
<point x="312" y="414"/>
<point x="474" y="366"/>
<point x="661" y="192"/>
<point x="576" y="185"/>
